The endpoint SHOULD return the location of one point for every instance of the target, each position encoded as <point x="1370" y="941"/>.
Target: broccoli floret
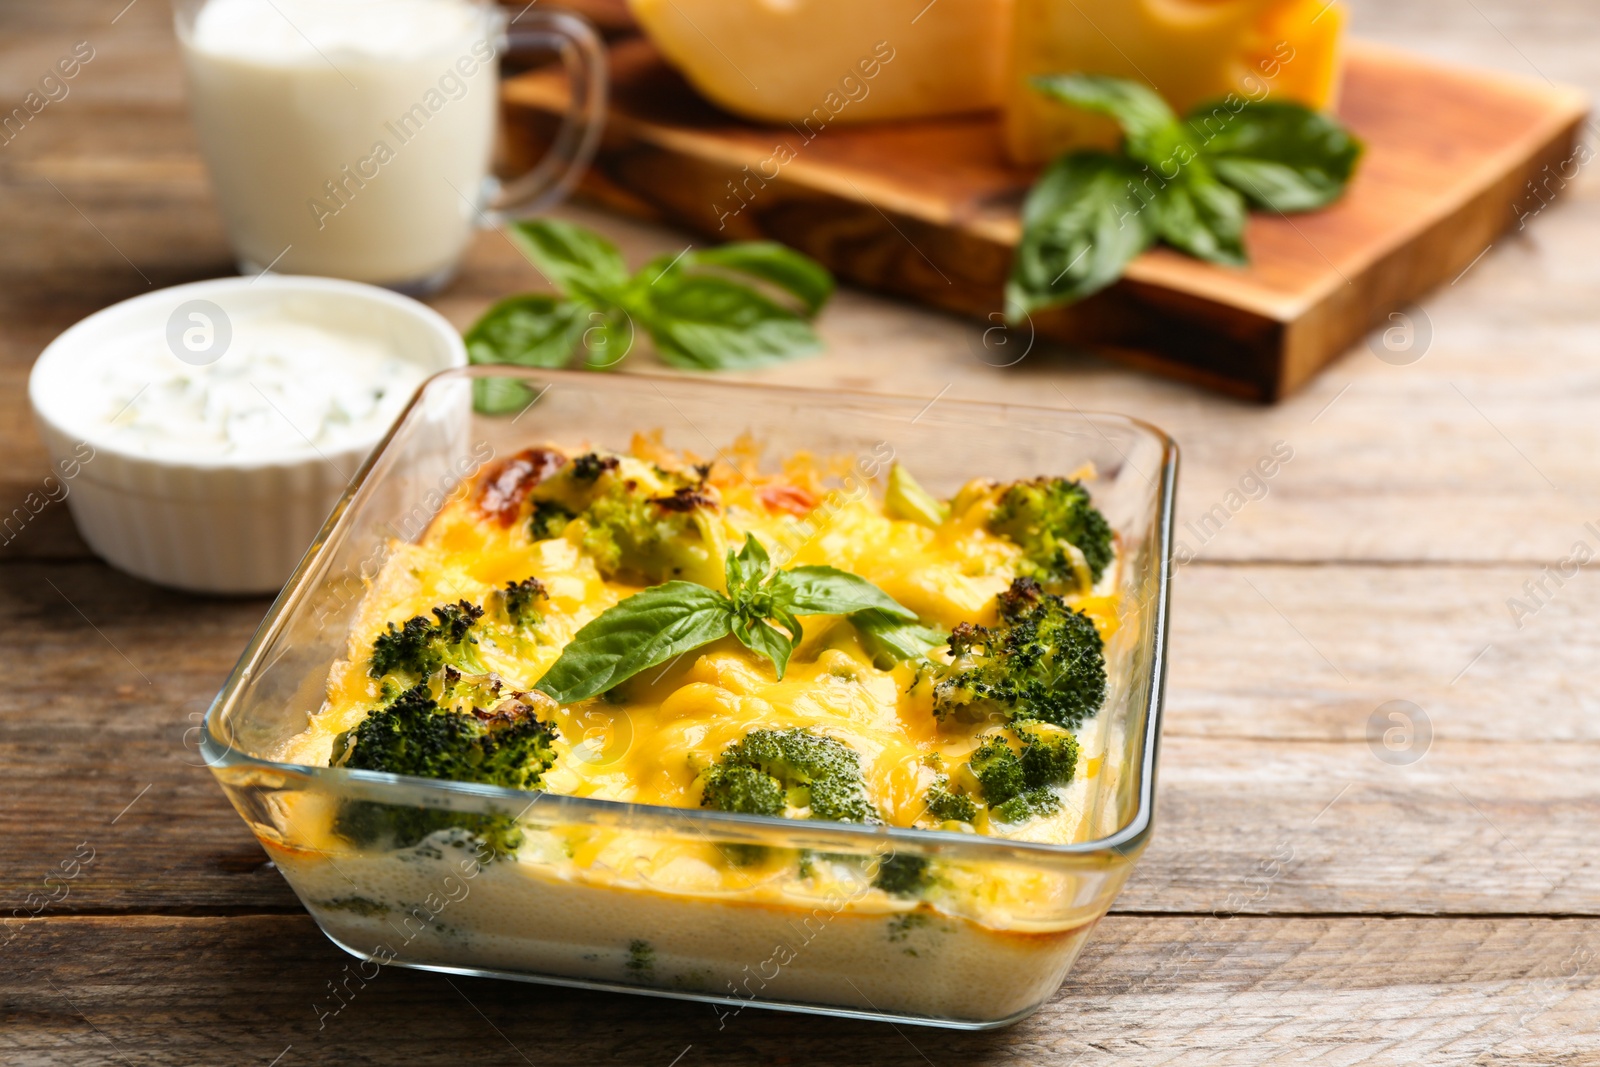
<point x="419" y="647"/>
<point x="1043" y="662"/>
<point x="1048" y="517"/>
<point x="507" y="745"/>
<point x="549" y="519"/>
<point x="736" y="787"/>
<point x="771" y="771"/>
<point x="588" y="468"/>
<point x="1049" y="755"/>
<point x="638" y="521"/>
<point x="631" y="534"/>
<point x="1018" y="786"/>
<point x="1006" y="789"/>
<point x="519" y="601"/>
<point x="904" y="876"/>
<point x="947" y="806"/>
<point x="1025" y="806"/>
<point x="998" y="770"/>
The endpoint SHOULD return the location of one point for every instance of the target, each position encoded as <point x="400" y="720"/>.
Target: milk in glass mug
<point x="353" y="138"/>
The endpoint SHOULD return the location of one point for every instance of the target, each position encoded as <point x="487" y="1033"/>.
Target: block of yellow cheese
<point x="816" y="62"/>
<point x="1192" y="51"/>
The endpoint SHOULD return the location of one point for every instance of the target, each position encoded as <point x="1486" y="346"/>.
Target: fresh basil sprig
<point x="893" y="638"/>
<point x="1284" y="157"/>
<point x="1186" y="182"/>
<point x="1081" y="226"/>
<point x="697" y="307"/>
<point x="665" y="621"/>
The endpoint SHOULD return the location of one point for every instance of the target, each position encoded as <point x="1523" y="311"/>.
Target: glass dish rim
<point x="220" y="754"/>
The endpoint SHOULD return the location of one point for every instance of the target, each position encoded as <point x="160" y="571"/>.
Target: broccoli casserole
<point x="824" y="643"/>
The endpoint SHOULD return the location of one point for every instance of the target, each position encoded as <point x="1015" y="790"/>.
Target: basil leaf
<point x="800" y="276"/>
<point x="762" y="638"/>
<point x="698" y="318"/>
<point x="1199" y="215"/>
<point x="576" y="260"/>
<point x="830" y="591"/>
<point x="1081" y="224"/>
<point x="500" y="396"/>
<point x="787" y="620"/>
<point x="1193" y="211"/>
<point x="702" y="322"/>
<point x="608" y="340"/>
<point x="533" y="330"/>
<point x="746" y="569"/>
<point x="897" y="639"/>
<point x="1152" y="129"/>
<point x="643" y="631"/>
<point x="1180" y="182"/>
<point x="1285" y="157"/>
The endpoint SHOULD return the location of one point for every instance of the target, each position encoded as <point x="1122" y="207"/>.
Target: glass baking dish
<point x="589" y="900"/>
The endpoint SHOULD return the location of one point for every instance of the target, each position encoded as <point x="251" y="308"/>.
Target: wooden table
<point x="1304" y="900"/>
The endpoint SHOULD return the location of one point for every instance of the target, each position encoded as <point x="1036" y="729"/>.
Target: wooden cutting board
<point x="928" y="210"/>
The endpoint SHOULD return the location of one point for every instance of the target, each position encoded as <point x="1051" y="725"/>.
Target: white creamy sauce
<point x="281" y="389"/>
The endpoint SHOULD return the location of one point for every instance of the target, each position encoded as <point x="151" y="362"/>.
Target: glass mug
<point x="353" y="138"/>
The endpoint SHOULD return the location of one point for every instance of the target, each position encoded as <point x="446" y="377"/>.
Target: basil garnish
<point x="1081" y="225"/>
<point x="576" y="260"/>
<point x="1283" y="156"/>
<point x="665" y="621"/>
<point x="699" y="308"/>
<point x="895" y="638"/>
<point x="641" y="632"/>
<point x="1151" y="130"/>
<point x="796" y="274"/>
<point x="1186" y="182"/>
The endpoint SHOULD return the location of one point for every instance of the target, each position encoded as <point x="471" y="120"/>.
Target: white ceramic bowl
<point x="217" y="524"/>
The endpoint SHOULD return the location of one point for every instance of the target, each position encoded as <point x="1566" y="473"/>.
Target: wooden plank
<point x="247" y="989"/>
<point x="1471" y="829"/>
<point x="1266" y="746"/>
<point x="99" y="726"/>
<point x="928" y="209"/>
<point x="1306" y="654"/>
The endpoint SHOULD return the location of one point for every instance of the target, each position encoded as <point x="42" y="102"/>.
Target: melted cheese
<point x="817" y="62"/>
<point x="1192" y="51"/>
<point x="678" y="719"/>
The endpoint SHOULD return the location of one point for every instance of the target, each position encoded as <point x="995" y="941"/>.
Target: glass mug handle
<point x="583" y="55"/>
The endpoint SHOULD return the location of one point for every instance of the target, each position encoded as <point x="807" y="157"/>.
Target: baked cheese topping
<point x="654" y="738"/>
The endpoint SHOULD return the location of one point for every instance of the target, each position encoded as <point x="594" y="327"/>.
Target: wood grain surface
<point x="1442" y="911"/>
<point x="1182" y="990"/>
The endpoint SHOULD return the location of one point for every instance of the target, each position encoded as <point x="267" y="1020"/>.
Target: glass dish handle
<point x="583" y="55"/>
